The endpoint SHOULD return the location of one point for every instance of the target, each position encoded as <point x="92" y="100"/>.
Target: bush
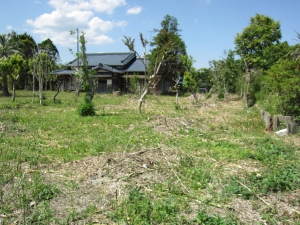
<point x="284" y="78"/>
<point x="86" y="109"/>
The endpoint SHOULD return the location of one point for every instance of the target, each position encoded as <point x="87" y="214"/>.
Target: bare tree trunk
<point x="33" y="88"/>
<point x="57" y="90"/>
<point x="41" y="89"/>
<point x="141" y="100"/>
<point x="152" y="82"/>
<point x="14" y="90"/>
<point x="50" y="84"/>
<point x="195" y="97"/>
<point x="153" y="88"/>
<point x="76" y="90"/>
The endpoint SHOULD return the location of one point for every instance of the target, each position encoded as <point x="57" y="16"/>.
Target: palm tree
<point x="8" y="46"/>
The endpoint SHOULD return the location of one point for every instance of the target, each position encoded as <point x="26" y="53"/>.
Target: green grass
<point x="197" y="185"/>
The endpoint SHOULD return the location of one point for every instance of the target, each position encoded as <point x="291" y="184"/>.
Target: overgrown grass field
<point x="210" y="163"/>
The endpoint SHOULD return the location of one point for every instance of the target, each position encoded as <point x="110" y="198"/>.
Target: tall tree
<point x="8" y="45"/>
<point x="262" y="33"/>
<point x="49" y="47"/>
<point x="168" y="33"/>
<point x="28" y="50"/>
<point x="39" y="65"/>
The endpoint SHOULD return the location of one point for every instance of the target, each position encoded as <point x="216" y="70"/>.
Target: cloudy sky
<point x="208" y="26"/>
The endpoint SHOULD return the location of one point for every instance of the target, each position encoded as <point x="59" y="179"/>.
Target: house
<point x="113" y="71"/>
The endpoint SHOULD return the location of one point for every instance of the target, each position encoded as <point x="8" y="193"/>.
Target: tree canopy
<point x="168" y="37"/>
<point x="251" y="44"/>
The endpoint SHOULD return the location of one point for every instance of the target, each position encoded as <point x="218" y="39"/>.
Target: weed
<point x="141" y="208"/>
<point x="274" y="179"/>
<point x="203" y="218"/>
<point x="40" y="191"/>
<point x="42" y="214"/>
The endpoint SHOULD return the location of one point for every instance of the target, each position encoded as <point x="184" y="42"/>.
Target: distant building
<point x="113" y="71"/>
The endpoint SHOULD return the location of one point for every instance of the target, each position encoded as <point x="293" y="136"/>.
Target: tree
<point x="154" y="78"/>
<point x="28" y="49"/>
<point x="49" y="47"/>
<point x="84" y="76"/>
<point x="8" y="45"/>
<point x="169" y="33"/>
<point x="12" y="66"/>
<point x="283" y="78"/>
<point x="191" y="78"/>
<point x="40" y="68"/>
<point x="225" y="74"/>
<point x="262" y="33"/>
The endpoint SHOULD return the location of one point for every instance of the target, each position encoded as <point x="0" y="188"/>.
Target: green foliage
<point x="12" y="66"/>
<point x="226" y="74"/>
<point x="274" y="179"/>
<point x="256" y="45"/>
<point x="263" y="32"/>
<point x="42" y="214"/>
<point x="203" y="218"/>
<point x="191" y="77"/>
<point x="168" y="38"/>
<point x="283" y="78"/>
<point x="276" y="176"/>
<point x="49" y="47"/>
<point x="41" y="191"/>
<point x="196" y="172"/>
<point x="86" y="109"/>
<point x="140" y="208"/>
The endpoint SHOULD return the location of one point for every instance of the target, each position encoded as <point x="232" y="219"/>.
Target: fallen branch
<point x="267" y="204"/>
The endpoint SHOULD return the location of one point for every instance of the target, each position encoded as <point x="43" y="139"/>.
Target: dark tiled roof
<point x="106" y="67"/>
<point x="136" y="66"/>
<point x="110" y="59"/>
<point x="62" y="72"/>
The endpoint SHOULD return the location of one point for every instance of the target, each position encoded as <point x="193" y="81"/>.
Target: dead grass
<point x="102" y="181"/>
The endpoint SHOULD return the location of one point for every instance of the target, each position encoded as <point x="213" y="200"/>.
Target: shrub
<point x="284" y="78"/>
<point x="86" y="109"/>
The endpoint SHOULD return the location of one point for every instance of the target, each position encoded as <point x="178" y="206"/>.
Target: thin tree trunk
<point x="33" y="88"/>
<point x="41" y="91"/>
<point x="57" y="91"/>
<point x="5" y="91"/>
<point x="14" y="90"/>
<point x="195" y="97"/>
<point x="141" y="100"/>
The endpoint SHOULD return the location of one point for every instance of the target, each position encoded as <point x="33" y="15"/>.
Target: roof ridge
<point x="108" y="53"/>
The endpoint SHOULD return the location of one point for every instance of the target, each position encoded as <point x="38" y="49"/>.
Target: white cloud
<point x="8" y="27"/>
<point x="71" y="14"/>
<point x="134" y="10"/>
<point x="107" y="6"/>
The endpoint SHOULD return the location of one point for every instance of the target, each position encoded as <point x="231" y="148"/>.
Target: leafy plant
<point x="86" y="109"/>
<point x="203" y="218"/>
<point x="41" y="191"/>
<point x="140" y="208"/>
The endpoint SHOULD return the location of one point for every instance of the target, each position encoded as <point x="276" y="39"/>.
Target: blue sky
<point x="208" y="26"/>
